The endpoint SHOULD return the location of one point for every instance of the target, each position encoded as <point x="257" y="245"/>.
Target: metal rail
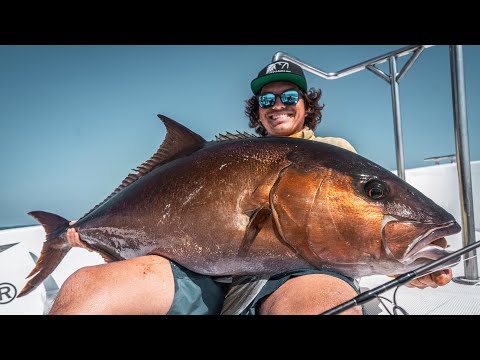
<point x="393" y="79"/>
<point x="354" y="68"/>
<point x="460" y="123"/>
<point x="463" y="162"/>
<point x="437" y="159"/>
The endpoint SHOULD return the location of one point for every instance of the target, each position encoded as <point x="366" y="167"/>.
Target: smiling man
<point x="282" y="106"/>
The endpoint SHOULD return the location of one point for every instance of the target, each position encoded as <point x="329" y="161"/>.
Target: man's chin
<point x="281" y="130"/>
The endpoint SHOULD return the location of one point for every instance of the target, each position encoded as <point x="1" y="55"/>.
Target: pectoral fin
<point x="257" y="207"/>
<point x="257" y="220"/>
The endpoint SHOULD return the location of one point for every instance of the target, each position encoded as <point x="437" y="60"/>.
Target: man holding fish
<point x="153" y="284"/>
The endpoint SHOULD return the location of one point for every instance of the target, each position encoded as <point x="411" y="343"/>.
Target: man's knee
<point x="309" y="295"/>
<point x="80" y="293"/>
<point x="86" y="291"/>
<point x="142" y="285"/>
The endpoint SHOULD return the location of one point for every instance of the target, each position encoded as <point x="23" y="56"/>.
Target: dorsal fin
<point x="229" y="136"/>
<point x="179" y="141"/>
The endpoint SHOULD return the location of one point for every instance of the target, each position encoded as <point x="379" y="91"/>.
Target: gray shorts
<point x="197" y="294"/>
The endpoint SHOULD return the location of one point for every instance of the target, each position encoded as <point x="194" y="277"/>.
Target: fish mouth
<point x="408" y="240"/>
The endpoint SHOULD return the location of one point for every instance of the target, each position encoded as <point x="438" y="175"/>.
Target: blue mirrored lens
<point x="266" y="100"/>
<point x="289" y="97"/>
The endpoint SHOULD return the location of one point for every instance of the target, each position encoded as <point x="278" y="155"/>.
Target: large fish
<point x="257" y="206"/>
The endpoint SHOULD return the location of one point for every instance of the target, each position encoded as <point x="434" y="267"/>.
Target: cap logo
<point x="282" y="67"/>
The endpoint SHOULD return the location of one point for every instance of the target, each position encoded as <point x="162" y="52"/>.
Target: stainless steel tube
<point x="397" y="118"/>
<point x="463" y="161"/>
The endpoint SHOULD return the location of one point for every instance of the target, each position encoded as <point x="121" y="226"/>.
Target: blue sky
<point x="75" y="119"/>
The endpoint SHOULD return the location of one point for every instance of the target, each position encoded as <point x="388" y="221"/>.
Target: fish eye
<point x="376" y="189"/>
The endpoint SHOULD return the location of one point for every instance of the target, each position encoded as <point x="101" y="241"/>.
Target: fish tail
<point x="54" y="248"/>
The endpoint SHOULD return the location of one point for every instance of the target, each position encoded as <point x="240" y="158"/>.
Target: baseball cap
<point x="281" y="70"/>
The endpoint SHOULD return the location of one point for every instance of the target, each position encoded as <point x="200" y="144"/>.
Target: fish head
<point x="367" y="220"/>
<point x="413" y="227"/>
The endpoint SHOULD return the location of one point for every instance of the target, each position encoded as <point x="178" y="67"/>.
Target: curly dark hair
<point x="313" y="110"/>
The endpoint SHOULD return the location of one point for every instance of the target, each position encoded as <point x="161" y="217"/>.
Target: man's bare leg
<point x="309" y="295"/>
<point x="142" y="285"/>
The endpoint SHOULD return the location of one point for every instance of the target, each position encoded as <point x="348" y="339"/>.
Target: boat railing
<point x="459" y="118"/>
<point x="437" y="159"/>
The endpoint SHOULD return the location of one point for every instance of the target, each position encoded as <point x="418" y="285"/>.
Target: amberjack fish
<point x="245" y="205"/>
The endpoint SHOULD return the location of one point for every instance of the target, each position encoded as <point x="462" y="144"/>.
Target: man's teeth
<point x="280" y="116"/>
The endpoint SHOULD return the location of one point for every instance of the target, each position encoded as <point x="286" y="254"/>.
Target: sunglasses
<point x="289" y="97"/>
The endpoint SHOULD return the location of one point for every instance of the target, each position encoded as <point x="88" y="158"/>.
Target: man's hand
<point x="435" y="279"/>
<point x="74" y="239"/>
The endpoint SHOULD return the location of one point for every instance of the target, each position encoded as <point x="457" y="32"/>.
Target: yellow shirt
<point x="309" y="135"/>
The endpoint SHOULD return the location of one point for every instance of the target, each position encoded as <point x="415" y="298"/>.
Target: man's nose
<point x="278" y="103"/>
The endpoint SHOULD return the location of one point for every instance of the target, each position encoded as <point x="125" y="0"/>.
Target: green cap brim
<point x="260" y="82"/>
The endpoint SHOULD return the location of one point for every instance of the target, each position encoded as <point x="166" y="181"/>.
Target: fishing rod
<point x="400" y="280"/>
